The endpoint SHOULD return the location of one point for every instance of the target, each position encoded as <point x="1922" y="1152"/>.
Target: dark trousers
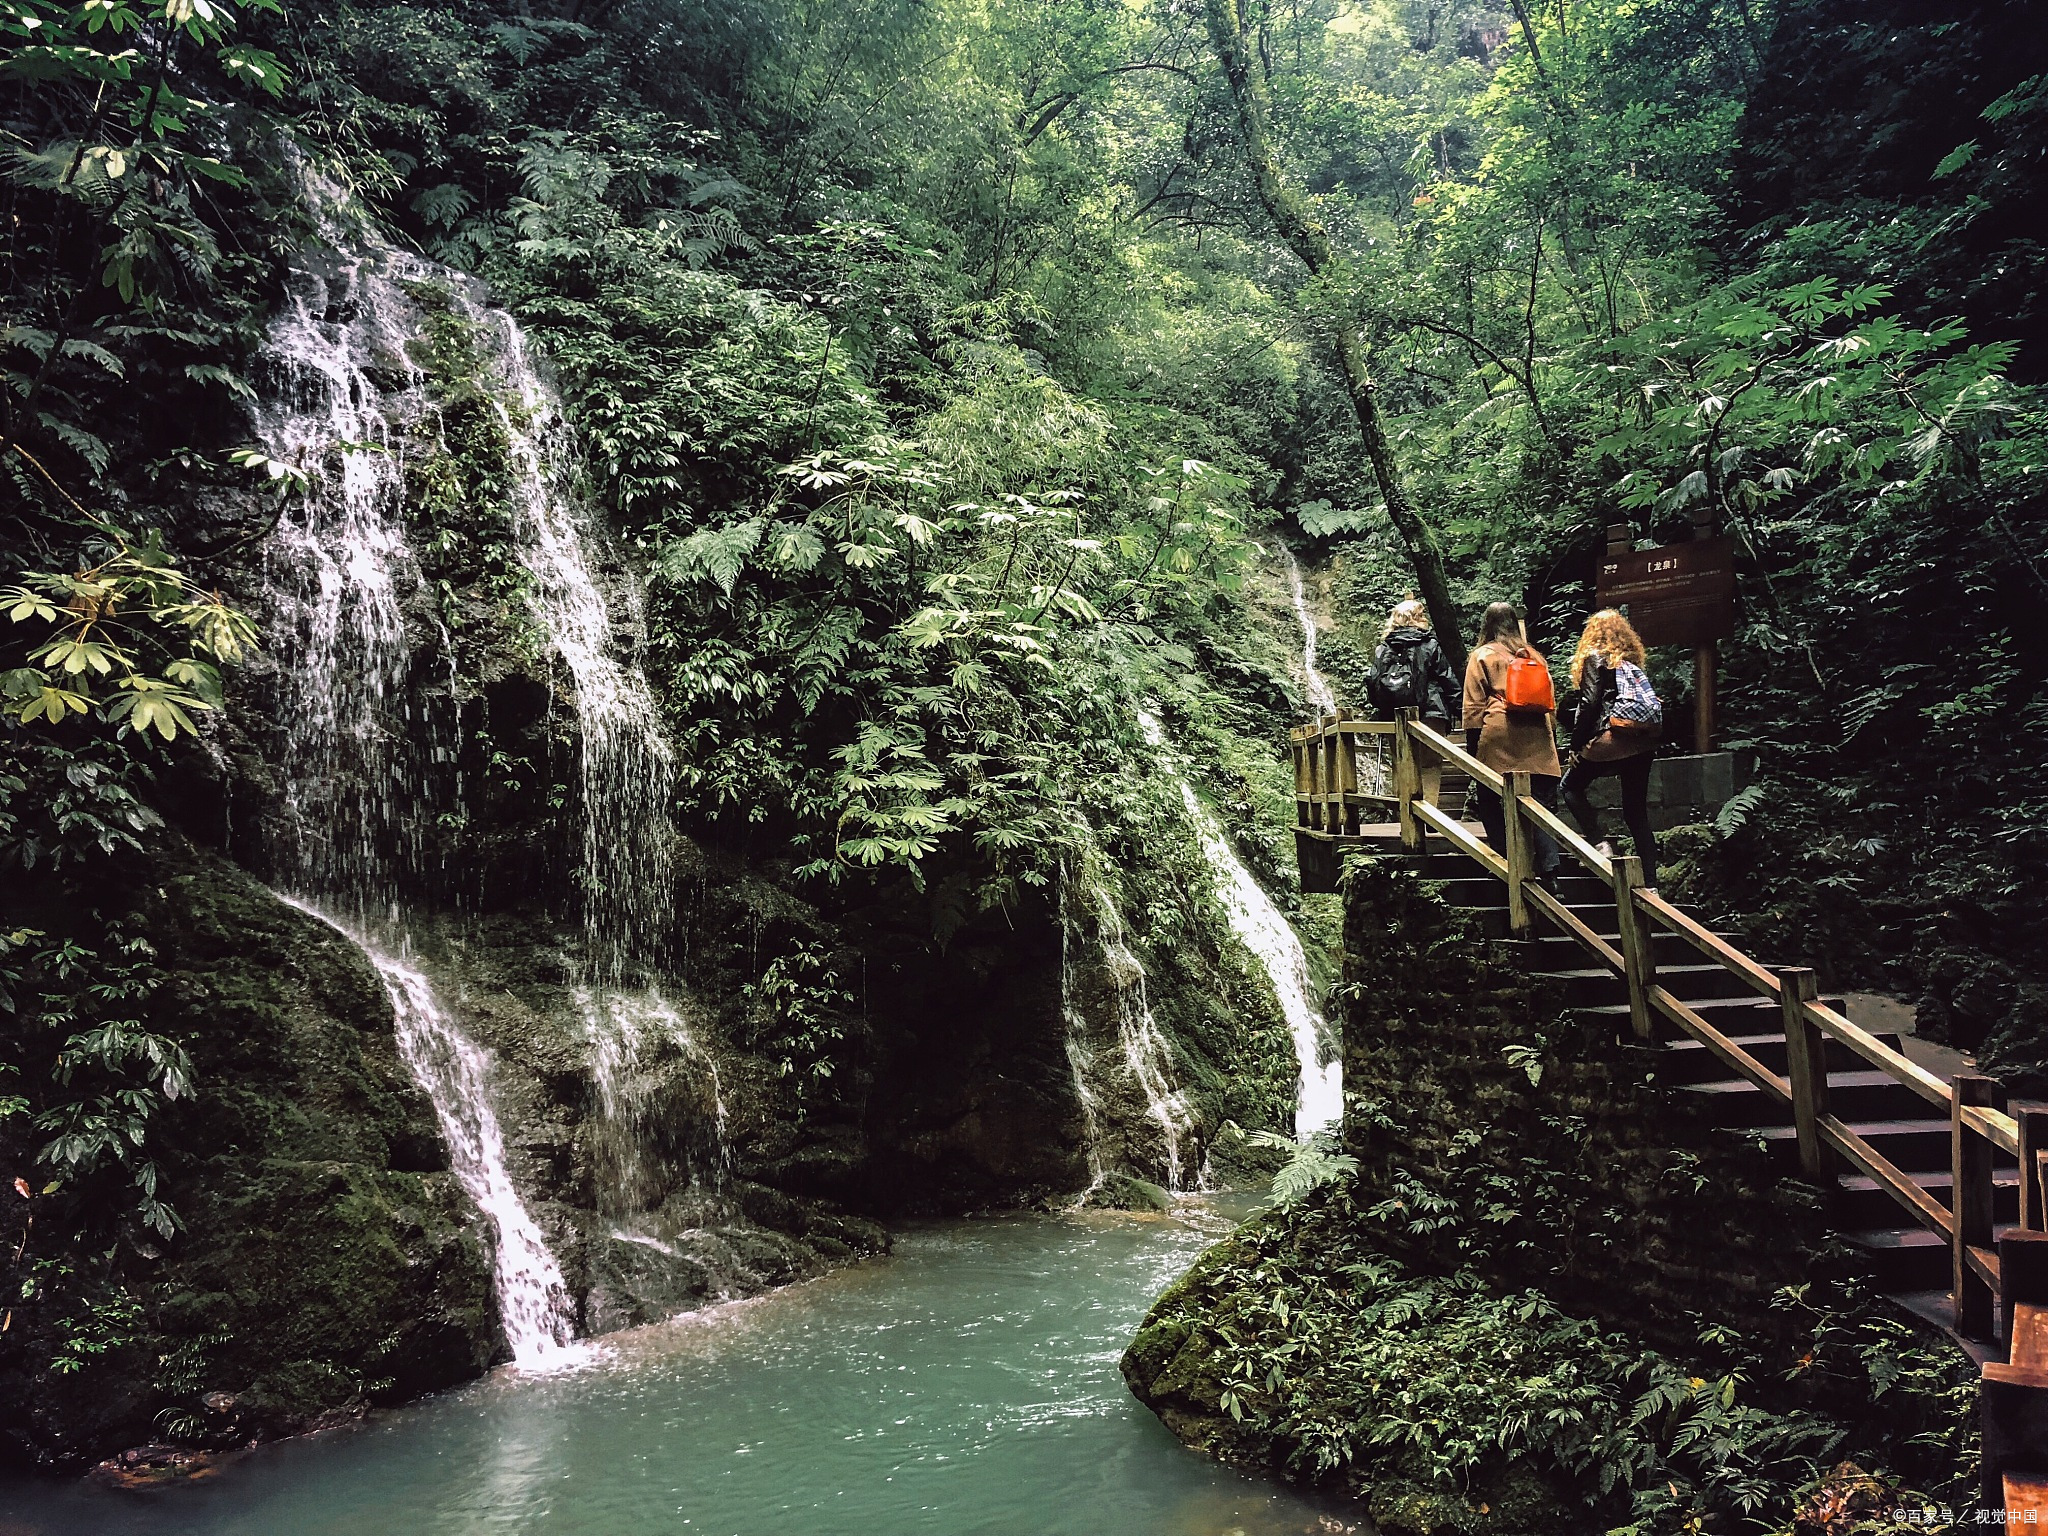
<point x="1634" y="773"/>
<point x="1494" y="817"/>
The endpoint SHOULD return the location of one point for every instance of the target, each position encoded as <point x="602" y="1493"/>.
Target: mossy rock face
<point x="1123" y="1192"/>
<point x="329" y="1258"/>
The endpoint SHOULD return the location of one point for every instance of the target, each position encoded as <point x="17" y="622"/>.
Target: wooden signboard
<point x="1676" y="594"/>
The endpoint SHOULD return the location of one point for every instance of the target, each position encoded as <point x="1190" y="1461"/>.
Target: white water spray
<point x="1320" y="696"/>
<point x="633" y="1036"/>
<point x="627" y="768"/>
<point x="533" y="1300"/>
<point x="1144" y="1058"/>
<point x="1319" y="1099"/>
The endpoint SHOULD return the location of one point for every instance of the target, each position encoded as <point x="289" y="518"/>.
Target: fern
<point x="1313" y="1163"/>
<point x="1735" y="813"/>
<point x="713" y="554"/>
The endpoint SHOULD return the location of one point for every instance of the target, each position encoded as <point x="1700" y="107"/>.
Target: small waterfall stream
<point x="1319" y="1100"/>
<point x="1320" y="696"/>
<point x="533" y="1299"/>
<point x="1144" y="1058"/>
<point x="1374" y="771"/>
<point x="626" y="764"/>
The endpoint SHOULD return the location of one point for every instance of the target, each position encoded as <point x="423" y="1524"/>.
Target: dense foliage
<point x="937" y="362"/>
<point x="1356" y="1370"/>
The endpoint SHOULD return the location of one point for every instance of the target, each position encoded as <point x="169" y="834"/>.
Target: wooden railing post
<point x="1806" y="1061"/>
<point x="1407" y="782"/>
<point x="1302" y="787"/>
<point x="2032" y="1120"/>
<point x="1520" y="853"/>
<point x="1638" y="956"/>
<point x="1347" y="778"/>
<point x="1970" y="1163"/>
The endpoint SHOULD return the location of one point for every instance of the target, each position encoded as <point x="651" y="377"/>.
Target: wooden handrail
<point x="1460" y="839"/>
<point x="1710" y="944"/>
<point x="1974" y="1121"/>
<point x="1451" y="752"/>
<point x="1567" y="838"/>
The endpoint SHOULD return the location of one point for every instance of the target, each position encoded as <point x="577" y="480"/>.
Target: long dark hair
<point x="1503" y="626"/>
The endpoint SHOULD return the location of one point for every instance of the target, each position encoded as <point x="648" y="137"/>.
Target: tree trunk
<point x="1295" y="221"/>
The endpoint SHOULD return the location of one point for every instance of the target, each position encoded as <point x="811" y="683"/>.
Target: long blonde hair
<point x="1412" y="614"/>
<point x="1611" y="638"/>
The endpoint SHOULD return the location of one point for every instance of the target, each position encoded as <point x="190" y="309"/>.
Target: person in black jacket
<point x="1410" y="671"/>
<point x="1599" y="747"/>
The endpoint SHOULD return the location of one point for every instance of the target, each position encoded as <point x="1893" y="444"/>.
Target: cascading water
<point x="1143" y="1060"/>
<point x="1320" y="696"/>
<point x="626" y="773"/>
<point x="361" y="761"/>
<point x="366" y="756"/>
<point x="358" y="745"/>
<point x="626" y="765"/>
<point x="634" y="1036"/>
<point x="533" y="1300"/>
<point x="1271" y="938"/>
<point x="1370" y="764"/>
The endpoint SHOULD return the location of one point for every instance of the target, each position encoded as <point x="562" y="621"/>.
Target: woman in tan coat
<point x="1505" y="740"/>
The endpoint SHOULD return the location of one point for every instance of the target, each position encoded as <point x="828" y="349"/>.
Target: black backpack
<point x="1401" y="681"/>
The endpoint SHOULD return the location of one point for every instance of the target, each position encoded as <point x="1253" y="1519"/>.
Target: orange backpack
<point x="1528" y="685"/>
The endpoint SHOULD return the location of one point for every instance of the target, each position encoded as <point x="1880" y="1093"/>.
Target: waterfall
<point x="627" y="769"/>
<point x="1319" y="695"/>
<point x="358" y="748"/>
<point x="365" y="690"/>
<point x="629" y="1034"/>
<point x="1374" y="772"/>
<point x="1142" y="1064"/>
<point x="1319" y="1098"/>
<point x="533" y="1300"/>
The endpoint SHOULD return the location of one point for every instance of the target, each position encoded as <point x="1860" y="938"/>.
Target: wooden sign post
<point x="1676" y="594"/>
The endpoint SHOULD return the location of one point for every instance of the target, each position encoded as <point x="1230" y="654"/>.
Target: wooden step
<point x="1731" y="1015"/>
<point x="1903" y="1259"/>
<point x="1860" y="1201"/>
<point x="1558" y="951"/>
<point x="1753" y="1028"/>
<point x="1588" y="986"/>
<point x="1912" y="1146"/>
<point x="1853" y="1095"/>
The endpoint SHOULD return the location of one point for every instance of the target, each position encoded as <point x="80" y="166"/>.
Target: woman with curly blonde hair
<point x="1609" y="735"/>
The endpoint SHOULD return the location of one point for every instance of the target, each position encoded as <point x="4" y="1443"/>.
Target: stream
<point x="967" y="1383"/>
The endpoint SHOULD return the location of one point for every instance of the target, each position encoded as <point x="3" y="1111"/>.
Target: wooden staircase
<point x="1907" y="1261"/>
<point x="1943" y="1188"/>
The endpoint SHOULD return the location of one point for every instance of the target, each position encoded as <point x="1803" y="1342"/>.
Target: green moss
<point x="327" y="1257"/>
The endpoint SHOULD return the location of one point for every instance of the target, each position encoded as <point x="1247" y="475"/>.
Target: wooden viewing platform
<point x="1866" y="1123"/>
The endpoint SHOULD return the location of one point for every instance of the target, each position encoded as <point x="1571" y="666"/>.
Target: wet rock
<point x="1123" y="1192"/>
<point x="155" y="1466"/>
